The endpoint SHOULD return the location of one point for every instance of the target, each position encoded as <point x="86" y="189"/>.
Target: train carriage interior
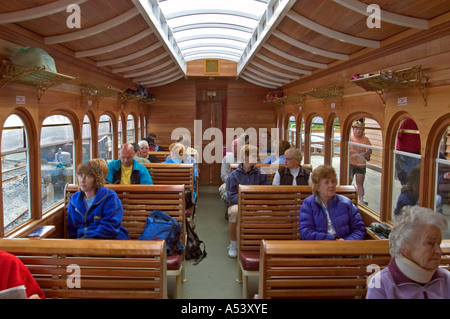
<point x="80" y="78"/>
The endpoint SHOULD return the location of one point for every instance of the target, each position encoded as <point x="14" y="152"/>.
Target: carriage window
<point x="15" y="173"/>
<point x="291" y="131"/>
<point x="139" y="129"/>
<point x="317" y="142"/>
<point x="365" y="161"/>
<point x="105" y="138"/>
<point x="336" y="147"/>
<point x="120" y="131"/>
<point x="145" y="126"/>
<point x="130" y="128"/>
<point x="442" y="190"/>
<point x="57" y="150"/>
<point x="87" y="140"/>
<point x="406" y="181"/>
<point x="302" y="137"/>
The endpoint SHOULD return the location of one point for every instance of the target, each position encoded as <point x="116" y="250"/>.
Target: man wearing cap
<point x="359" y="155"/>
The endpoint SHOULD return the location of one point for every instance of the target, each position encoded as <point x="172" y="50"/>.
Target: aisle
<point x="215" y="276"/>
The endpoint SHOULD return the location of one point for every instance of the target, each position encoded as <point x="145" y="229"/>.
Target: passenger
<point x="326" y="215"/>
<point x="225" y="169"/>
<point x="151" y="138"/>
<point x="143" y="152"/>
<point x="413" y="272"/>
<point x="293" y="173"/>
<point x="283" y="146"/>
<point x="191" y="153"/>
<point x="137" y="154"/>
<point x="94" y="211"/>
<point x="410" y="192"/>
<point x="14" y="273"/>
<point x="177" y="154"/>
<point x="359" y="155"/>
<point x="245" y="174"/>
<point x="126" y="170"/>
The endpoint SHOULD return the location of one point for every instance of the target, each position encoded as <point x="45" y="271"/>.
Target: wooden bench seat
<point x="138" y="202"/>
<point x="322" y="269"/>
<point x="270" y="212"/>
<point x="108" y="268"/>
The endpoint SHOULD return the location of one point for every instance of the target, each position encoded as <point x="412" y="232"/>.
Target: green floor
<point x="215" y="277"/>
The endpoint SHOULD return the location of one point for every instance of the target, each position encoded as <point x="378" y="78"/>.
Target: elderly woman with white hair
<point x="413" y="272"/>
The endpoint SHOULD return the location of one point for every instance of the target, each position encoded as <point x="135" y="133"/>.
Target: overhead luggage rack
<point x="126" y="97"/>
<point x="41" y="78"/>
<point x="402" y="79"/>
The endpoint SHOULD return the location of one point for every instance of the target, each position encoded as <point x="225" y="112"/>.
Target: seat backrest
<point x="268" y="212"/>
<point x="138" y="201"/>
<point x="106" y="268"/>
<point x="171" y="173"/>
<point x="161" y="155"/>
<point x="319" y="269"/>
<point x="272" y="212"/>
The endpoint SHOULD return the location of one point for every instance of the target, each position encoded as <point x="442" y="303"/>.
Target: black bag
<point x="193" y="243"/>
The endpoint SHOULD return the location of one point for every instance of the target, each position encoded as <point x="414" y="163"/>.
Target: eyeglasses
<point x="289" y="158"/>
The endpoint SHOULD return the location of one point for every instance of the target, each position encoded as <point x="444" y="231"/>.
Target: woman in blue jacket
<point x="326" y="215"/>
<point x="94" y="211"/>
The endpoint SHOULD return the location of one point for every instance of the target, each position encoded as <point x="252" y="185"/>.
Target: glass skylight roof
<point x="212" y="28"/>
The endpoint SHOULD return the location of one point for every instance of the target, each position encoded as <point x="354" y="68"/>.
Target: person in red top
<point x="408" y="140"/>
<point x="14" y="273"/>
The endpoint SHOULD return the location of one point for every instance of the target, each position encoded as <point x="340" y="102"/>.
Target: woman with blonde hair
<point x="326" y="215"/>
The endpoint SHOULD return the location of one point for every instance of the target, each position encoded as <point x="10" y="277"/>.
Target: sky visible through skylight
<point x="212" y="28"/>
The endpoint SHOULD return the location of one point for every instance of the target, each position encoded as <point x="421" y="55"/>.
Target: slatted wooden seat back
<point x="139" y="201"/>
<point x="272" y="213"/>
<point x="107" y="268"/>
<point x="161" y="155"/>
<point x="319" y="269"/>
<point x="171" y="174"/>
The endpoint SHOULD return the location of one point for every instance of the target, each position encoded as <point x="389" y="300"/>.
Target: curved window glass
<point x="130" y="129"/>
<point x="15" y="174"/>
<point x="317" y="142"/>
<point x="87" y="139"/>
<point x="365" y="148"/>
<point x="105" y="138"/>
<point x="336" y="147"/>
<point x="57" y="154"/>
<point x="120" y="131"/>
<point x="406" y="181"/>
<point x="442" y="189"/>
<point x="291" y="129"/>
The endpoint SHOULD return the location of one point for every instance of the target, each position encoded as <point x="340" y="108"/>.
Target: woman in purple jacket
<point x="326" y="215"/>
<point x="413" y="272"/>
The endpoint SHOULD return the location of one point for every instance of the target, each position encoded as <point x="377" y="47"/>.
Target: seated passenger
<point x="94" y="211"/>
<point x="137" y="154"/>
<point x="126" y="170"/>
<point x="14" y="273"/>
<point x="327" y="215"/>
<point x="144" y="148"/>
<point x="177" y="154"/>
<point x="413" y="272"/>
<point x="245" y="174"/>
<point x="293" y="173"/>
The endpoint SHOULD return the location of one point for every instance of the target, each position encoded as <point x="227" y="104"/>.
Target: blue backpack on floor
<point x="160" y="226"/>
